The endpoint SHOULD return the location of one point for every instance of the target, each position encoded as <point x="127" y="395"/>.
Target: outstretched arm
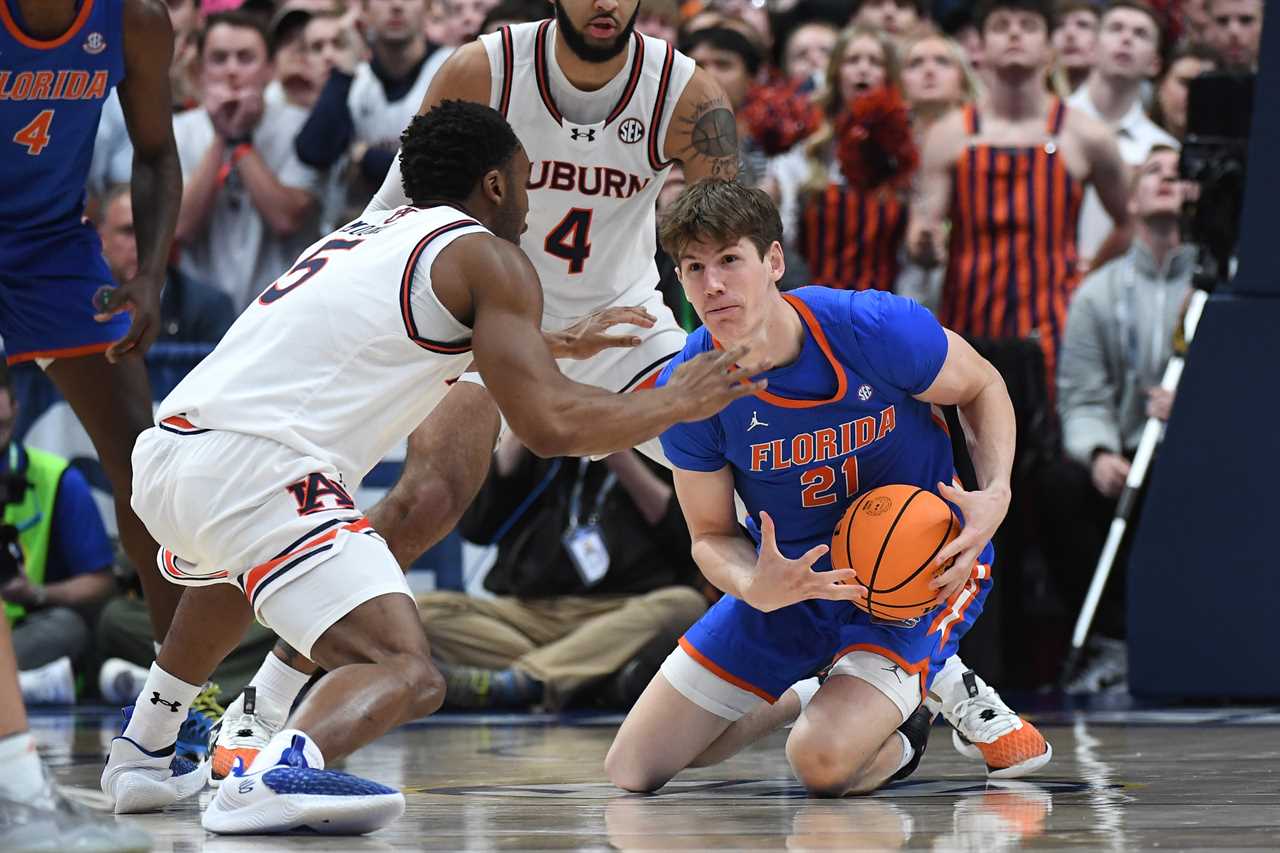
<point x="157" y="175"/>
<point x="493" y="282"/>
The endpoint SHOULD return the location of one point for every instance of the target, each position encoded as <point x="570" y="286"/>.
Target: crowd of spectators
<point x="287" y="117"/>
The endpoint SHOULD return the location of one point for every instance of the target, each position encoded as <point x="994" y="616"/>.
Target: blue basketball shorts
<point x="735" y="656"/>
<point x="47" y="283"/>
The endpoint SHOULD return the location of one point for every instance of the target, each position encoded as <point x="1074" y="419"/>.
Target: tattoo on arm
<point x="712" y="147"/>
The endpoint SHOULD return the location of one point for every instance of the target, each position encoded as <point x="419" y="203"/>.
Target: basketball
<point x="890" y="537"/>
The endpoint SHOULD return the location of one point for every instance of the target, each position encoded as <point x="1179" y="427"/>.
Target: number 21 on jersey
<point x="819" y="483"/>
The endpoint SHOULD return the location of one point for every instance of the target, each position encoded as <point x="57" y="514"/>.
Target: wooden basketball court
<point x="1120" y="780"/>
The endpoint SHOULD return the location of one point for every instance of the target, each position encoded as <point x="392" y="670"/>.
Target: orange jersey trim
<point x="720" y="672"/>
<point x="37" y="44"/>
<point x="255" y="575"/>
<point x="921" y="669"/>
<point x="68" y="352"/>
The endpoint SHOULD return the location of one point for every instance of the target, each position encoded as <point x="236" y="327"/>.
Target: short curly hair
<point x="447" y="150"/>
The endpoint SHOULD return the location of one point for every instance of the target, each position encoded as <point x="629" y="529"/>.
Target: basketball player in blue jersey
<point x="59" y="60"/>
<point x="849" y="408"/>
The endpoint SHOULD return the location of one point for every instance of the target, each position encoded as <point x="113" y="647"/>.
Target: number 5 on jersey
<point x="35" y="135"/>
<point x="570" y="239"/>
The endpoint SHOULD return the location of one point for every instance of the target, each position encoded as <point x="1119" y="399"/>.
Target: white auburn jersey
<point x="593" y="187"/>
<point x="343" y="355"/>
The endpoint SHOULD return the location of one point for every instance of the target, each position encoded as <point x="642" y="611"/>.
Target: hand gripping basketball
<point x="983" y="511"/>
<point x="779" y="582"/>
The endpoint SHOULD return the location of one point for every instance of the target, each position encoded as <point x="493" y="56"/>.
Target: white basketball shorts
<point x="281" y="526"/>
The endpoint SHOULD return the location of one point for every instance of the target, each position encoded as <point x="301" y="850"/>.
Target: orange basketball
<point x="890" y="537"/>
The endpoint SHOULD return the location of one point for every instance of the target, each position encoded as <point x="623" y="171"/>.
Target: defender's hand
<point x="587" y="337"/>
<point x="703" y="386"/>
<point x="779" y="582"/>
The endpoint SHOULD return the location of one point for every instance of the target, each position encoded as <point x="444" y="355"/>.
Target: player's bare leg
<point x="662" y="735"/>
<point x="379" y="676"/>
<point x="763" y="720"/>
<point x="113" y="402"/>
<point x="846" y="740"/>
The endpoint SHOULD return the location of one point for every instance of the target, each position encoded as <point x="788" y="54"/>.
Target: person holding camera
<point x="55" y="560"/>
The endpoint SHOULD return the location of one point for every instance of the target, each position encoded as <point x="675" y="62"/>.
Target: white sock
<point x="271" y="753"/>
<point x="23" y="777"/>
<point x="948" y="686"/>
<point x="277" y="685"/>
<point x="160" y="710"/>
<point x="908" y="752"/>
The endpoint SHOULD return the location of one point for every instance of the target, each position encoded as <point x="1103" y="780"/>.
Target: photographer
<point x="55" y="560"/>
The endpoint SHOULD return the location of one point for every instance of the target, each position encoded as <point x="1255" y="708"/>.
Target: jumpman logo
<point x="589" y="133"/>
<point x="895" y="669"/>
<point x="156" y="700"/>
<point x="755" y="422"/>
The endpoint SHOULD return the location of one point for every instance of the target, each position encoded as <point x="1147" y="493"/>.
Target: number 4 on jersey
<point x="35" y="136"/>
<point x="569" y="239"/>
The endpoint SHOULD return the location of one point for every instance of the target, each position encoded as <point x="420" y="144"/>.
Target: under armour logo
<point x="895" y="669"/>
<point x="755" y="422"/>
<point x="578" y="133"/>
<point x="156" y="700"/>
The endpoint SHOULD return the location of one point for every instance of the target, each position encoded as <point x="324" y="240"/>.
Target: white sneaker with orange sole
<point x="988" y="730"/>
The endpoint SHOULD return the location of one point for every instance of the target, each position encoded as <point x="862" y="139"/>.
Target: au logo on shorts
<point x="631" y="130"/>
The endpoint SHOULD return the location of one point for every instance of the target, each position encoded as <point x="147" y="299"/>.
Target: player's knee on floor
<point x="624" y="769"/>
<point x="824" y="770"/>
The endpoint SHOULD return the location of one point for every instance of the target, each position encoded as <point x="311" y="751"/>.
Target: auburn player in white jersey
<point x="245" y="478"/>
<point x="603" y="112"/>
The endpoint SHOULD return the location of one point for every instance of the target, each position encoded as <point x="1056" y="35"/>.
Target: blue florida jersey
<point x="837" y="421"/>
<point x="51" y="96"/>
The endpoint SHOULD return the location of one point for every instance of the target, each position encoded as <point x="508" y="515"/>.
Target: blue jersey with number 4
<point x="837" y="421"/>
<point x="51" y="96"/>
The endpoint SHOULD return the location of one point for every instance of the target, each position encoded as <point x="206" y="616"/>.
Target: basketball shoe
<point x="50" y="821"/>
<point x="987" y="730"/>
<point x="296" y="792"/>
<point x="241" y="733"/>
<point x="137" y="780"/>
<point x="204" y="713"/>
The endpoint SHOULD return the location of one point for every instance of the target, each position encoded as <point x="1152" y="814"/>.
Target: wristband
<point x="239" y="151"/>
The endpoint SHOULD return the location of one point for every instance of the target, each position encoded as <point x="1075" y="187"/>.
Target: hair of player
<point x="445" y="152"/>
<point x="720" y="213"/>
<point x="241" y="20"/>
<point x="1043" y="8"/>
<point x="726" y="39"/>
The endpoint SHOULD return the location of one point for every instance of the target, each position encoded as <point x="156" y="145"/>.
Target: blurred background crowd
<point x="321" y="90"/>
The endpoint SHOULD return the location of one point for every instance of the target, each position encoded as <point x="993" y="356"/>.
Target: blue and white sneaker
<point x="138" y="780"/>
<point x="292" y="795"/>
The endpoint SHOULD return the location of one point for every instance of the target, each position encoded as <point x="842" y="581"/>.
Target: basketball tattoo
<point x="713" y="135"/>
